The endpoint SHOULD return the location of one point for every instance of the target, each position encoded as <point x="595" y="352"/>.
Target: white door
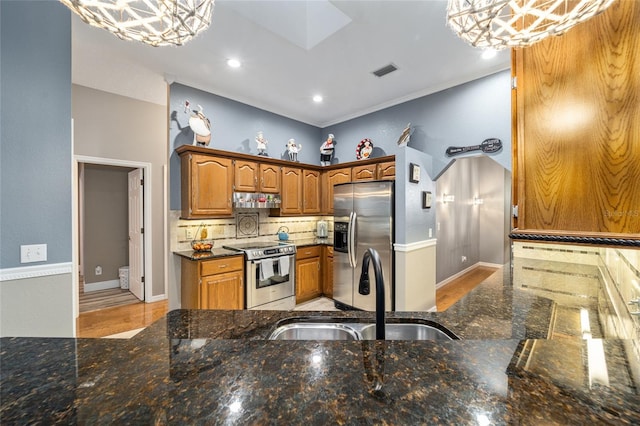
<point x="136" y="230"/>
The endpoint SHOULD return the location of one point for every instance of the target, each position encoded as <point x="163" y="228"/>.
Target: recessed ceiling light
<point x="234" y="63"/>
<point x="489" y="53"/>
<point x="317" y="98"/>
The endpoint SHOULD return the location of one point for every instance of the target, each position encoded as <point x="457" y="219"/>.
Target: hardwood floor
<point x="450" y="293"/>
<point x="101" y="299"/>
<point x="105" y="322"/>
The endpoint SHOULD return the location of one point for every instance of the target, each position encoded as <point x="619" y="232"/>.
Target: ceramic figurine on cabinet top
<point x="201" y="127"/>
<point x="293" y="149"/>
<point x="404" y="137"/>
<point x="326" y="150"/>
<point x="262" y="144"/>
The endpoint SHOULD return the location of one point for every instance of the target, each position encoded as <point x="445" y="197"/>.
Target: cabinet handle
<point x="222" y="266"/>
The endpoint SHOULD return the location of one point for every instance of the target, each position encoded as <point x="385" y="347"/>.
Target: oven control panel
<point x="270" y="252"/>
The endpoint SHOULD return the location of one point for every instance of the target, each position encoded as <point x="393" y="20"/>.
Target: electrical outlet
<point x="464" y="259"/>
<point x="188" y="233"/>
<point x="33" y="253"/>
<point x="430" y="232"/>
<point x="98" y="270"/>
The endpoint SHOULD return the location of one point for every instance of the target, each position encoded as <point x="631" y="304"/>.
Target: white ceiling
<point x="291" y="50"/>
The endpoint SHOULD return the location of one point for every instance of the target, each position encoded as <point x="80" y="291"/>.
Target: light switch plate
<point x="33" y="253"/>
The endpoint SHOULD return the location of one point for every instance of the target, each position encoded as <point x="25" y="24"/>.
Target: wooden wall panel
<point x="578" y="127"/>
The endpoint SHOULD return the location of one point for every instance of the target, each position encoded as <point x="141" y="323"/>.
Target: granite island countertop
<point x="197" y="366"/>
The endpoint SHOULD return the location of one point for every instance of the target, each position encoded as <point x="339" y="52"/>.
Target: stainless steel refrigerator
<point x="363" y="218"/>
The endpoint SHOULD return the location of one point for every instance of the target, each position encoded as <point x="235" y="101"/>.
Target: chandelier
<point x="500" y="24"/>
<point x="154" y="22"/>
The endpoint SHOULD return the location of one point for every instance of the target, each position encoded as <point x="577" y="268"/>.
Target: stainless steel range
<point x="270" y="274"/>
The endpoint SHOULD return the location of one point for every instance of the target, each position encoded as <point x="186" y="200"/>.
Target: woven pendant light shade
<point x="500" y="24"/>
<point x="154" y="22"/>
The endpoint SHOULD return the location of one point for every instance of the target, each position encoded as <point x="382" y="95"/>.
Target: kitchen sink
<point x="406" y="331"/>
<point x="326" y="329"/>
<point x="314" y="331"/>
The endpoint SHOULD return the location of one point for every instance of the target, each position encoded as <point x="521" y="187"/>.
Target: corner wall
<point x="35" y="168"/>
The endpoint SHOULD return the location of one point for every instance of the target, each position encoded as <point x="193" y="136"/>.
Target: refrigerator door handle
<point x="352" y="240"/>
<point x="349" y="242"/>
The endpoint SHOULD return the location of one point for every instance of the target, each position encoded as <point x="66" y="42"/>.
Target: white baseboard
<point x="157" y="298"/>
<point x="102" y="285"/>
<point x="464" y="271"/>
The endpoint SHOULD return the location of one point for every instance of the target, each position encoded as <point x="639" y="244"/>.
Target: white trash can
<point x="123" y="273"/>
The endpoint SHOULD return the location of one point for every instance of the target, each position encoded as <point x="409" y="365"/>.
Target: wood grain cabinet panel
<point x="291" y="195"/>
<point x="576" y="140"/>
<point x="366" y="172"/>
<point x="386" y="170"/>
<point x="308" y="273"/>
<point x="207" y="186"/>
<point x="246" y="176"/>
<point x="311" y="191"/>
<point x="329" y="179"/>
<point x="212" y="284"/>
<point x="327" y="271"/>
<point x="269" y="178"/>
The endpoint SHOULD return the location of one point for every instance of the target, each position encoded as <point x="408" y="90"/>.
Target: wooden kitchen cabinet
<point x="311" y="191"/>
<point x="269" y="178"/>
<point x="213" y="284"/>
<point x="246" y="176"/>
<point x="366" y="172"/>
<point x="331" y="178"/>
<point x="386" y="170"/>
<point x="206" y="186"/>
<point x="291" y="195"/>
<point x="327" y="271"/>
<point x="251" y="176"/>
<point x="308" y="273"/>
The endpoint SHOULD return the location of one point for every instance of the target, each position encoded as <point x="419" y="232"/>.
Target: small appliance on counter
<point x="322" y="229"/>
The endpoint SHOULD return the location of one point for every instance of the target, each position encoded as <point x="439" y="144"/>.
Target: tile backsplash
<point x="225" y="231"/>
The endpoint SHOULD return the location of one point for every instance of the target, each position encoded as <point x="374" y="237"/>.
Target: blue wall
<point x="35" y="121"/>
<point x="233" y="128"/>
<point x="459" y="116"/>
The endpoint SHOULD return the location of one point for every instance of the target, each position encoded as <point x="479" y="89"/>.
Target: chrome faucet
<point x="364" y="287"/>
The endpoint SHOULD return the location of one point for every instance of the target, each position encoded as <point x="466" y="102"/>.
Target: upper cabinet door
<point x="207" y="186"/>
<point x="246" y="176"/>
<point x="386" y="170"/>
<point x="367" y="172"/>
<point x="269" y="178"/>
<point x="311" y="192"/>
<point x="291" y="195"/>
<point x="576" y="146"/>
<point x="331" y="178"/>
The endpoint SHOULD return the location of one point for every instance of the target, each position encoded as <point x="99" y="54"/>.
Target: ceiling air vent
<point x="385" y="70"/>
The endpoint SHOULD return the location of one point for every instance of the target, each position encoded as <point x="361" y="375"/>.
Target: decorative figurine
<point x="404" y="137"/>
<point x="293" y="149"/>
<point x="262" y="144"/>
<point x="326" y="151"/>
<point x="364" y="149"/>
<point x="201" y="127"/>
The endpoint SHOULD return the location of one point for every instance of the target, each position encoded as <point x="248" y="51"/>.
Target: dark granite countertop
<point x="216" y="367"/>
<point x="205" y="255"/>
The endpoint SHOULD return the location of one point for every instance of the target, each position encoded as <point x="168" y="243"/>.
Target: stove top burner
<point x="262" y="250"/>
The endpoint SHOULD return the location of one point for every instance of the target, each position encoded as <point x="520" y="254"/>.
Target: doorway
<point x="110" y="218"/>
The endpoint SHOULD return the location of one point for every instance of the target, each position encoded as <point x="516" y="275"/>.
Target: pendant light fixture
<point x="153" y="22"/>
<point x="501" y="24"/>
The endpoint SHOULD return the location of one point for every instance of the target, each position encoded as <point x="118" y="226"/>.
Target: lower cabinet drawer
<point x="220" y="266"/>
<point x="307" y="252"/>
